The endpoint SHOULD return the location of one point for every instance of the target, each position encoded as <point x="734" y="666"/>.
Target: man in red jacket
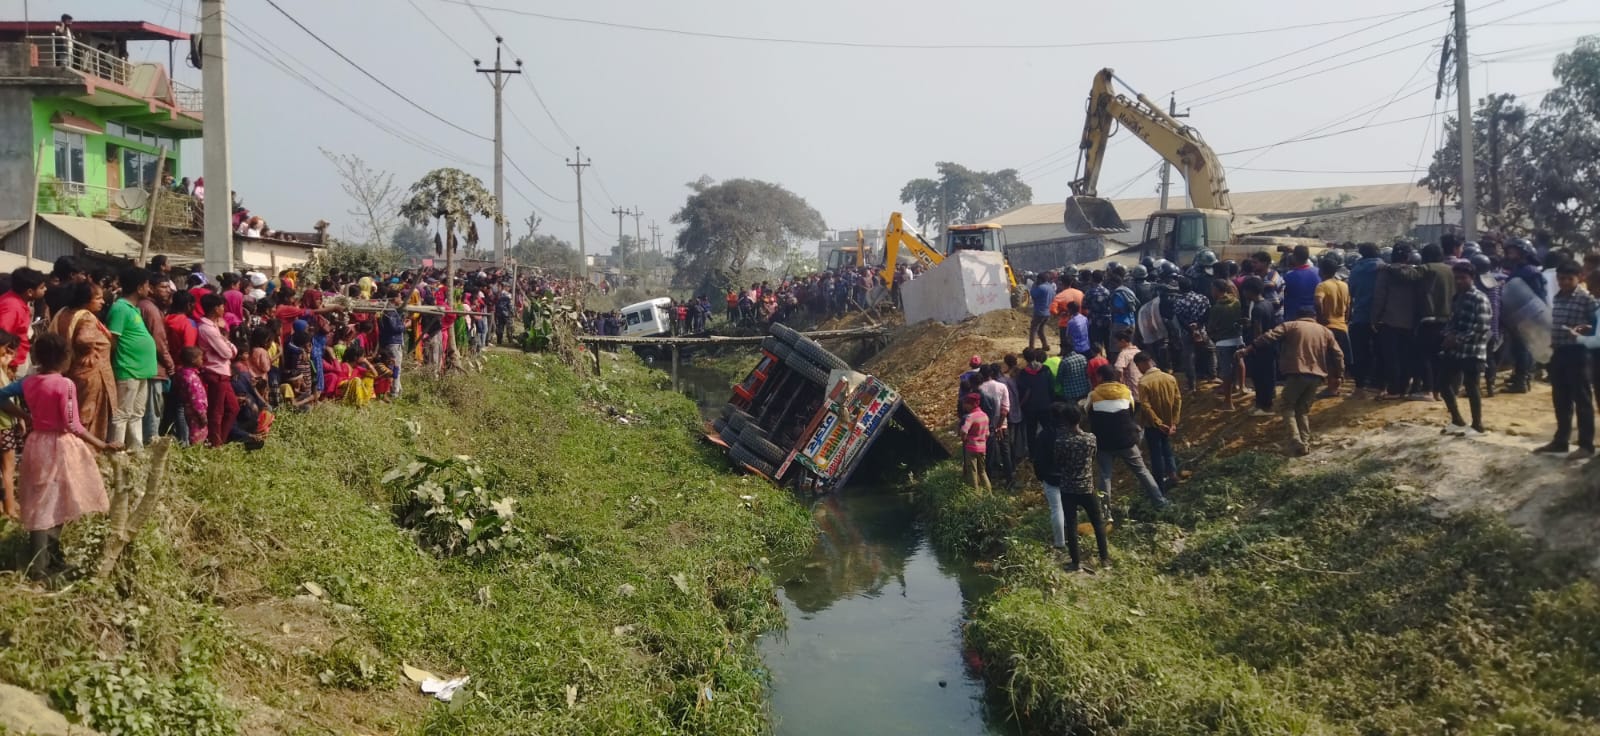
<point x="16" y="310"/>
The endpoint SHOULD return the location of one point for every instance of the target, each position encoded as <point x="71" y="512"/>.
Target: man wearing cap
<point x="1308" y="354"/>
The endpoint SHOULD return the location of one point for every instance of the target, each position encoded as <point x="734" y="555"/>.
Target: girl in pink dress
<point x="59" y="480"/>
<point x="191" y="391"/>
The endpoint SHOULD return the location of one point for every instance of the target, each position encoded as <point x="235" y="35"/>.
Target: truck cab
<point x="1180" y="235"/>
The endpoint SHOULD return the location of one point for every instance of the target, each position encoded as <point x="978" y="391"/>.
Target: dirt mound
<point x="924" y="361"/>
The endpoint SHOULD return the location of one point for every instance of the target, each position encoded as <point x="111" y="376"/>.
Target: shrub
<point x="446" y="506"/>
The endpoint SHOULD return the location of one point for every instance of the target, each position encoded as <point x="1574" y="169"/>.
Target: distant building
<point x="101" y="122"/>
<point x="1373" y="212"/>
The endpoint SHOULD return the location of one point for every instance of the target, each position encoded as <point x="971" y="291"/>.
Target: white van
<point x="647" y="319"/>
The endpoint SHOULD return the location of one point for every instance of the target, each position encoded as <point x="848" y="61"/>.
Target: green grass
<point x="611" y="512"/>
<point x="1276" y="603"/>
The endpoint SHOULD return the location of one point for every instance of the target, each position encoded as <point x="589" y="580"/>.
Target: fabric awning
<point x="74" y="124"/>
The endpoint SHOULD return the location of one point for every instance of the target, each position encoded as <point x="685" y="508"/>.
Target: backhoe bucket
<point x="1093" y="215"/>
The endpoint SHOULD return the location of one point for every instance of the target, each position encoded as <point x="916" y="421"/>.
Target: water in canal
<point x="873" y="643"/>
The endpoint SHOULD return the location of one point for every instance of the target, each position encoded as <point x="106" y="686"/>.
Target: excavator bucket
<point x="1093" y="215"/>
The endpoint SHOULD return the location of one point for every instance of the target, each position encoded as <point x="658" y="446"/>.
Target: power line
<point x="535" y="184"/>
<point x="1326" y="171"/>
<point x="441" y="30"/>
<point x="529" y="131"/>
<point x="526" y="77"/>
<point x="1304" y="49"/>
<point x="603" y="189"/>
<point x="248" y="44"/>
<point x="910" y="46"/>
<point x="370" y="75"/>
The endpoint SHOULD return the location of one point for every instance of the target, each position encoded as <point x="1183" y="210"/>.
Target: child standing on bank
<point x="60" y="481"/>
<point x="975" y="436"/>
<point x="10" y="431"/>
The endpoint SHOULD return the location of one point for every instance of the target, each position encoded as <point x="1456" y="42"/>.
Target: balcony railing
<point x="173" y="209"/>
<point x="188" y="98"/>
<point x="57" y="51"/>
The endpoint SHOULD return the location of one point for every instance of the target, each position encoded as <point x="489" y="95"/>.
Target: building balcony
<point x="145" y="90"/>
<point x="174" y="210"/>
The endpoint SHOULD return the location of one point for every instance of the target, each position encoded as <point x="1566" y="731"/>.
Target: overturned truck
<point x="802" y="417"/>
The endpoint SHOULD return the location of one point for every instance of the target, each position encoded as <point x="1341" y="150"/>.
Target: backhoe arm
<point x="894" y="237"/>
<point x="1179" y="144"/>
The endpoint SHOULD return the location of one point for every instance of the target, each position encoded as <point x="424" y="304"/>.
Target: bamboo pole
<point x="33" y="211"/>
<point x="150" y="208"/>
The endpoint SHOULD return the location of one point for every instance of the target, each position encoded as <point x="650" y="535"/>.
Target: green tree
<point x="344" y="258"/>
<point x="960" y="194"/>
<point x="412" y="241"/>
<point x="727" y="224"/>
<point x="452" y="198"/>
<point x="1536" y="168"/>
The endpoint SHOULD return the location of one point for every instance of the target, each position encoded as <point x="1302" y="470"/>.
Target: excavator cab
<point x="1180" y="235"/>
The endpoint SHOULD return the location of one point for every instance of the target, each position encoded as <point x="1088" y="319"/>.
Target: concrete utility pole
<point x="577" y="167"/>
<point x="622" y="258"/>
<point x="638" y="242"/>
<point x="219" y="179"/>
<point x="655" y="235"/>
<point x="1166" y="166"/>
<point x="1469" y="148"/>
<point x="501" y="76"/>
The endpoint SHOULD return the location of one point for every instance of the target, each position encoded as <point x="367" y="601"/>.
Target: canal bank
<point x="874" y="614"/>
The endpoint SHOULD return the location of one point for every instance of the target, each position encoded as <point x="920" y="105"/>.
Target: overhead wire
<point x="278" y="59"/>
<point x="452" y="39"/>
<point x="535" y="184"/>
<point x="909" y="46"/>
<point x="370" y="75"/>
<point x="525" y="76"/>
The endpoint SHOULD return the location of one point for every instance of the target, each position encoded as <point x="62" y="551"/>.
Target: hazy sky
<point x="844" y="127"/>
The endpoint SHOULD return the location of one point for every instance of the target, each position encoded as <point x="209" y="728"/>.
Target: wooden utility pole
<point x="577" y="166"/>
<point x="217" y="166"/>
<point x="150" y="207"/>
<point x="1469" y="174"/>
<point x="501" y="76"/>
<point x="1166" y="166"/>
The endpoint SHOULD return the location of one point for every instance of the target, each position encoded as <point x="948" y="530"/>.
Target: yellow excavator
<point x="848" y="256"/>
<point x="959" y="237"/>
<point x="1175" y="234"/>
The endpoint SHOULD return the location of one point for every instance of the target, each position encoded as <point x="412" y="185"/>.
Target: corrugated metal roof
<point x="97" y="236"/>
<point x="1282" y="201"/>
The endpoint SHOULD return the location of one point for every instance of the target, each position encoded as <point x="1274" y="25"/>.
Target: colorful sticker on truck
<point x="850" y="421"/>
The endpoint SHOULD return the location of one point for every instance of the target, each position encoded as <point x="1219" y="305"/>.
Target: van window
<point x="634" y="318"/>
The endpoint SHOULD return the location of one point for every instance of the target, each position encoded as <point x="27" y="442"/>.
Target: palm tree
<point x="451" y="197"/>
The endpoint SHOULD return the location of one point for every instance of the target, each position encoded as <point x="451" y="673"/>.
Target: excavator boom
<point x="1179" y="144"/>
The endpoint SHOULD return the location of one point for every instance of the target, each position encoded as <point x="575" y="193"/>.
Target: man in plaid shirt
<point x="1571" y="316"/>
<point x="1466" y="346"/>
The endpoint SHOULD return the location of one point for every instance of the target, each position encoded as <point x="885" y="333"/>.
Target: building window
<point x="138" y="168"/>
<point x="69" y="157"/>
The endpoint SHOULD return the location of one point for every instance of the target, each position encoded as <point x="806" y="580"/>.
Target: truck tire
<point x="819" y="355"/>
<point x="717" y="425"/>
<point x="738" y="419"/>
<point x="782" y="350"/>
<point x="755" y="439"/>
<point x="784" y="333"/>
<point x="807" y="370"/>
<point x="729" y="437"/>
<point x="740" y="455"/>
<point x="771" y="344"/>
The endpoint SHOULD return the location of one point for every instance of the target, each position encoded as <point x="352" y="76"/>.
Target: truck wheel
<point x="807" y="370"/>
<point x="784" y="333"/>
<point x="738" y="419"/>
<point x="819" y="355"/>
<point x="782" y="350"/>
<point x="755" y="439"/>
<point x="718" y="425"/>
<point x="771" y="344"/>
<point x="729" y="437"/>
<point x="740" y="455"/>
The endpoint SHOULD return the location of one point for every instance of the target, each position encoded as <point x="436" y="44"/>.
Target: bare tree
<point x="376" y="196"/>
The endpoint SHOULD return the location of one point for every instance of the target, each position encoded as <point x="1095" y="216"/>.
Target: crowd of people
<point x="95" y="362"/>
<point x="1400" y="323"/>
